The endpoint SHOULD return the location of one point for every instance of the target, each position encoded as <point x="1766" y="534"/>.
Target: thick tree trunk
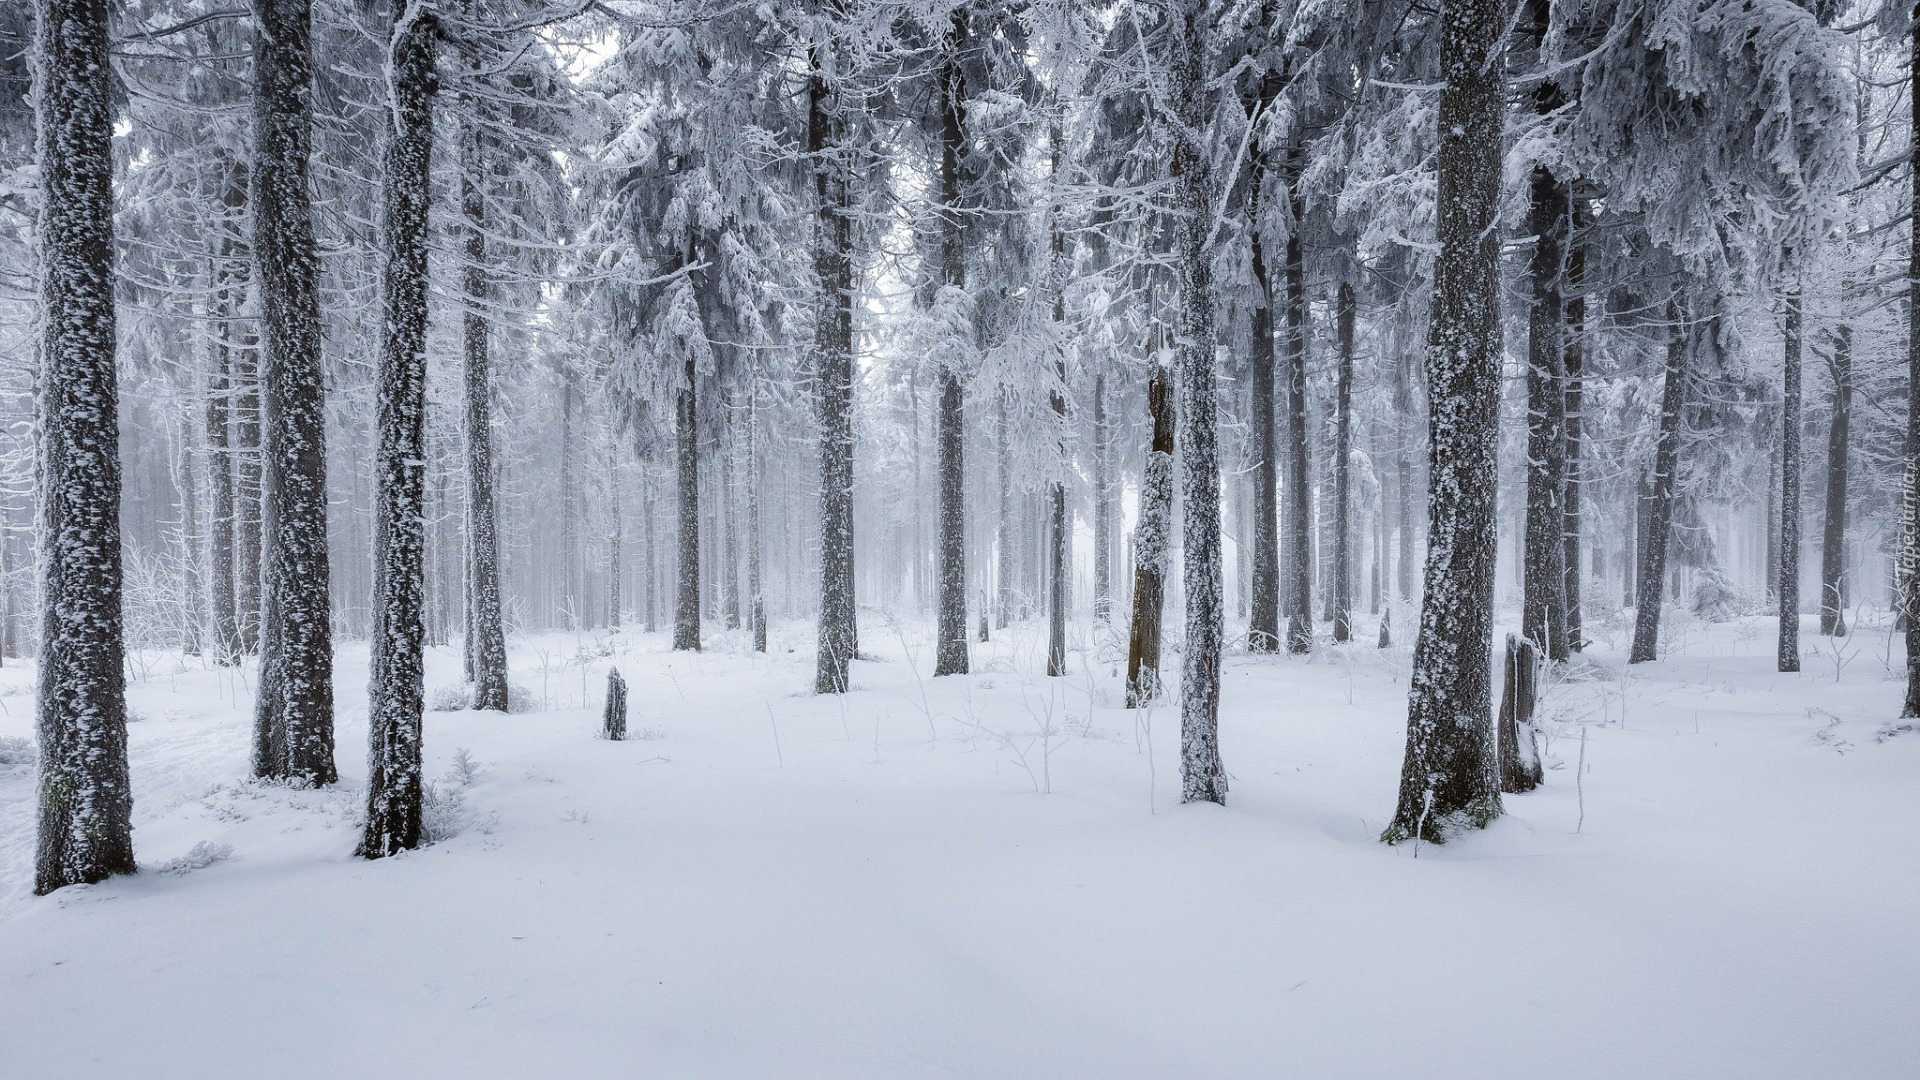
<point x="1152" y="543"/>
<point x="486" y="629"/>
<point x="833" y="373"/>
<point x="293" y="716"/>
<point x="950" y="576"/>
<point x="1788" y="589"/>
<point x="1573" y="357"/>
<point x="394" y="699"/>
<point x="1342" y="472"/>
<point x="1297" y="559"/>
<point x="85" y="800"/>
<point x="1448" y="780"/>
<point x="686" y="611"/>
<point x="1833" y="545"/>
<point x="1203" y="778"/>
<point x="1544" y="571"/>
<point x="1658" y="528"/>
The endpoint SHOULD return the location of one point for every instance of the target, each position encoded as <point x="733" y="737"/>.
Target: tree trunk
<point x="1203" y="778"/>
<point x="1789" y="587"/>
<point x="230" y="276"/>
<point x="1102" y="506"/>
<point x="1058" y="522"/>
<point x="1004" y="598"/>
<point x="686" y="612"/>
<point x="950" y="578"/>
<point x="394" y="699"/>
<point x="85" y="799"/>
<point x="1572" y="359"/>
<point x="730" y="517"/>
<point x="293" y="716"/>
<point x="1448" y="781"/>
<point x="1659" y="504"/>
<point x="1342" y="473"/>
<point x="1833" y="546"/>
<point x="1297" y="559"/>
<point x="1543" y="562"/>
<point x="1910" y="506"/>
<point x="756" y="592"/>
<point x="1263" y="619"/>
<point x="486" y="629"/>
<point x="1151" y="543"/>
<point x="1403" y="473"/>
<point x="1519" y="750"/>
<point x="833" y="372"/>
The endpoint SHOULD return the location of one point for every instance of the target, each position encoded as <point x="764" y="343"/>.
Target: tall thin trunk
<point x="1659" y="504"/>
<point x="486" y="630"/>
<point x="186" y="484"/>
<point x="1102" y="505"/>
<point x="1572" y="359"/>
<point x="730" y="519"/>
<point x="756" y="592"/>
<point x="1544" y="555"/>
<point x="1203" y="778"/>
<point x="686" y="612"/>
<point x="1448" y="780"/>
<point x="1005" y="544"/>
<point x="229" y="276"/>
<point x="1152" y="542"/>
<point x="833" y="372"/>
<point x="1297" y="559"/>
<point x="1059" y="523"/>
<point x="1789" y="588"/>
<point x="394" y="698"/>
<point x="1833" y="546"/>
<point x="1910" y="507"/>
<point x="950" y="579"/>
<point x="1263" y="617"/>
<point x="85" y="800"/>
<point x="1342" y="474"/>
<point x="247" y="494"/>
<point x="651" y="581"/>
<point x="293" y="716"/>
<point x="570" y="592"/>
<point x="1403" y="474"/>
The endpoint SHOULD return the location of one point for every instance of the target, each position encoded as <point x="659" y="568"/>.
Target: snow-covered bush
<point x="17" y="751"/>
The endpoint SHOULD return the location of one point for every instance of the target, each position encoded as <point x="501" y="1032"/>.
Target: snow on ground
<point x="920" y="880"/>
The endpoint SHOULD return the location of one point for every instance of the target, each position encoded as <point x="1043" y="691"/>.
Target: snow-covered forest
<point x="1018" y="538"/>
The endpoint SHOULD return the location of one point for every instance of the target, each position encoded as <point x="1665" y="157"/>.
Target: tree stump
<point x="614" y="724"/>
<point x="1519" y="754"/>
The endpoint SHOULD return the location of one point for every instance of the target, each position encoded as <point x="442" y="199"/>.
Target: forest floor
<point x="992" y="876"/>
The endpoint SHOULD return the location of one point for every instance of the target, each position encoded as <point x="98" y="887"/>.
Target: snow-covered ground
<point x="991" y="876"/>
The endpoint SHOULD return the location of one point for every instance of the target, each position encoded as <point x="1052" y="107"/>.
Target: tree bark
<point x="833" y="371"/>
<point x="1297" y="559"/>
<point x="1788" y="589"/>
<point x="1203" y="778"/>
<point x="1659" y="503"/>
<point x="1102" y="505"/>
<point x="1448" y="780"/>
<point x="756" y="593"/>
<point x="293" y="716"/>
<point x="1263" y="618"/>
<point x="1151" y="542"/>
<point x="1342" y="472"/>
<point x="85" y="799"/>
<point x="1058" y="523"/>
<point x="1910" y="506"/>
<point x="394" y="699"/>
<point x="1544" y="570"/>
<point x="1833" y="545"/>
<point x="686" y="612"/>
<point x="1006" y="542"/>
<point x="486" y="629"/>
<point x="229" y="284"/>
<point x="950" y="579"/>
<point x="1572" y="360"/>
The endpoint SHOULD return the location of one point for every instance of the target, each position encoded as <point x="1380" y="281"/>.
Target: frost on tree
<point x="1202" y="776"/>
<point x="1152" y="540"/>
<point x="950" y="622"/>
<point x="1657" y="530"/>
<point x="85" y="801"/>
<point x="293" y="712"/>
<point x="1448" y="780"/>
<point x="486" y="635"/>
<point x="833" y="366"/>
<point x="394" y="694"/>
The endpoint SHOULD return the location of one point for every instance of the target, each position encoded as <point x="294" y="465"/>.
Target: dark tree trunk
<point x="756" y="594"/>
<point x="1203" y="778"/>
<point x="1058" y="523"/>
<point x="730" y="520"/>
<point x="85" y="799"/>
<point x="1263" y="621"/>
<point x="394" y="700"/>
<point x="1544" y="570"/>
<point x="950" y="578"/>
<point x="1403" y="474"/>
<point x="833" y="372"/>
<point x="1573" y="358"/>
<point x="686" y="611"/>
<point x="230" y="275"/>
<point x="486" y="630"/>
<point x="247" y="570"/>
<point x="613" y="719"/>
<point x="293" y="716"/>
<point x="651" y="585"/>
<point x="1152" y="543"/>
<point x="1659" y="505"/>
<point x="1789" y="587"/>
<point x="1297" y="559"/>
<point x="1833" y="545"/>
<point x="1342" y="473"/>
<point x="1448" y="780"/>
